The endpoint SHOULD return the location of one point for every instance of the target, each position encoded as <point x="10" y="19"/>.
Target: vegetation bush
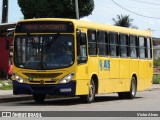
<point x="157" y="62"/>
<point x="156" y="79"/>
<point x="6" y="85"/>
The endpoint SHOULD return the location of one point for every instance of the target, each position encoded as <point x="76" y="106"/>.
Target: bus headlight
<point x="67" y="78"/>
<point x="18" y="79"/>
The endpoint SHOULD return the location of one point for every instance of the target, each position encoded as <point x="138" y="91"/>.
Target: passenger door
<point x="82" y="67"/>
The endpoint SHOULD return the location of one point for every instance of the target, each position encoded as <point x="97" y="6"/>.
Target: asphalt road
<point x="145" y="101"/>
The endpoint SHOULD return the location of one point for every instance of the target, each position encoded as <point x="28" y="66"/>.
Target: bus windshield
<point x="44" y="52"/>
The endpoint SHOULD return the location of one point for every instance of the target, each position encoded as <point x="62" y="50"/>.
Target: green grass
<point x="156" y="79"/>
<point x="9" y="86"/>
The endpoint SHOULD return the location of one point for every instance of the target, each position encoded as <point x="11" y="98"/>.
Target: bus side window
<point x="142" y="48"/>
<point x="149" y="48"/>
<point x="102" y="43"/>
<point x="123" y="45"/>
<point x="113" y="43"/>
<point x="133" y="46"/>
<point x="81" y="48"/>
<point x="92" y="42"/>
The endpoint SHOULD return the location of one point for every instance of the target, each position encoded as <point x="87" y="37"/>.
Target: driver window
<point x="81" y="46"/>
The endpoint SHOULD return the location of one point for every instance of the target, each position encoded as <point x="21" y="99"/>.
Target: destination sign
<point x="44" y="27"/>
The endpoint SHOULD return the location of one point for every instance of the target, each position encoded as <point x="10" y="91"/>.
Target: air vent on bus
<point x="42" y="75"/>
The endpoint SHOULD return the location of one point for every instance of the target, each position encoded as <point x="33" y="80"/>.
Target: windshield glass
<point x="44" y="52"/>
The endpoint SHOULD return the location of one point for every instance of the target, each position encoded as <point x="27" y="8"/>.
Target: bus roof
<point x="97" y="26"/>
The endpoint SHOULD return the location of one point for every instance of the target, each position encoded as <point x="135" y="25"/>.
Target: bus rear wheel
<point x="39" y="98"/>
<point x="133" y="89"/>
<point x="90" y="97"/>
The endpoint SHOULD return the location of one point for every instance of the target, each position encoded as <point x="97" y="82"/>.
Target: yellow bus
<point x="77" y="58"/>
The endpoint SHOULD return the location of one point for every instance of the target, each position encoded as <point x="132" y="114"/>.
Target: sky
<point x="145" y="13"/>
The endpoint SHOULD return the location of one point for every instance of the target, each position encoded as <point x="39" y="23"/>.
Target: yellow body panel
<point x="105" y="84"/>
<point x="114" y="68"/>
<point x="148" y="81"/>
<point x="82" y="80"/>
<point x="124" y="68"/>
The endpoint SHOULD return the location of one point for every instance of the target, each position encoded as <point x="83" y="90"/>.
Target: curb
<point x="11" y="98"/>
<point x="17" y="98"/>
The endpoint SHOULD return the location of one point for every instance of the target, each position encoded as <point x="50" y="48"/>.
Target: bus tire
<point x="39" y="98"/>
<point x="133" y="89"/>
<point x="90" y="97"/>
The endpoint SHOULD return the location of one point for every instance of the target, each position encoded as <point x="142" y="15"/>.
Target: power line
<point x="104" y="5"/>
<point x="133" y="12"/>
<point x="146" y="2"/>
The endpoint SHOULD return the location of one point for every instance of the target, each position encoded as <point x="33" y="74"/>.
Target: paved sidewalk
<point x="155" y="87"/>
<point x="7" y="95"/>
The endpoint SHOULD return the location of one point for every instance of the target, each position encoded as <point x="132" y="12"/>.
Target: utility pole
<point x="5" y="11"/>
<point x="77" y="9"/>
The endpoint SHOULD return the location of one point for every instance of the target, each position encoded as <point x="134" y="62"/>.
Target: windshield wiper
<point x="48" y="45"/>
<point x="42" y="65"/>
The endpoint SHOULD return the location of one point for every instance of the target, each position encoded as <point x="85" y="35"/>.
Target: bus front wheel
<point x="90" y="97"/>
<point x="39" y="98"/>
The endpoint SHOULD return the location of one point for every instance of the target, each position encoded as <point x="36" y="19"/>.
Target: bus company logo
<point x="105" y="66"/>
<point x="6" y="114"/>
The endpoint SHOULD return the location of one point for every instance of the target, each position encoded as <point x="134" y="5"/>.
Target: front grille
<point x="42" y="75"/>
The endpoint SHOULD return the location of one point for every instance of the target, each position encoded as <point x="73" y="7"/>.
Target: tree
<point x="55" y="8"/>
<point x="124" y="21"/>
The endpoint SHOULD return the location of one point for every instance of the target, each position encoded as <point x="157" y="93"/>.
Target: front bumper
<point x="68" y="89"/>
